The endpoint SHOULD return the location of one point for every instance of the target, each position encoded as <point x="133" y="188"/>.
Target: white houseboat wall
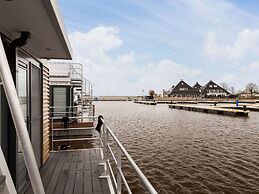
<point x="26" y="43"/>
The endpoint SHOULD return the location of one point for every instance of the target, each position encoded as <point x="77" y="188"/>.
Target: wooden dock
<point x="146" y="102"/>
<point x="211" y="109"/>
<point x="248" y="107"/>
<point x="73" y="172"/>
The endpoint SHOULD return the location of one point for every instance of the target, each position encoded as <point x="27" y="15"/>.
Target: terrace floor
<point x="73" y="172"/>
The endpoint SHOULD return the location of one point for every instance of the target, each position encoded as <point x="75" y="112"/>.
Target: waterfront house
<point x="182" y="89"/>
<point x="197" y="87"/>
<point x="31" y="31"/>
<point x="211" y="89"/>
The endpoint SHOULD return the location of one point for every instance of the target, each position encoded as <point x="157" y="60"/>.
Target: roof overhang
<point x="42" y="19"/>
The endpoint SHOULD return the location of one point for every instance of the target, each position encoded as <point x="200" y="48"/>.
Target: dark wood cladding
<point x="182" y="89"/>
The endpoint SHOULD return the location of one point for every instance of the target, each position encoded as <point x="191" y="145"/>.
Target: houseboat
<point x="70" y="96"/>
<point x="31" y="32"/>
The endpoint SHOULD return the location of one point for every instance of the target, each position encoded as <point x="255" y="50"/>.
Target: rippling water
<point x="187" y="152"/>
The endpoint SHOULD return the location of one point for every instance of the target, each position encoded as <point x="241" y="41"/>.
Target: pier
<point x="247" y="107"/>
<point x="146" y="102"/>
<point x="211" y="109"/>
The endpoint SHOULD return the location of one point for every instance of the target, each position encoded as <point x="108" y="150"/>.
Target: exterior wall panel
<point x="45" y="109"/>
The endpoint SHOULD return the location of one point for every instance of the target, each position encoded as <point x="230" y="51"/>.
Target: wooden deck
<point x="249" y="107"/>
<point x="146" y="102"/>
<point x="211" y="110"/>
<point x="73" y="172"/>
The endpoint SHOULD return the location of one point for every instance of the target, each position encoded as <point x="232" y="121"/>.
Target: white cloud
<point x="247" y="43"/>
<point x="252" y="67"/>
<point x="122" y="74"/>
<point x="228" y="78"/>
<point x="95" y="42"/>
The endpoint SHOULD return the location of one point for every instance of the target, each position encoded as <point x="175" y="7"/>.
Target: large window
<point x="22" y="91"/>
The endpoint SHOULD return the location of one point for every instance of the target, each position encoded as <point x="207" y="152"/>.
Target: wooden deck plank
<point x="48" y="173"/>
<point x="87" y="159"/>
<point x="69" y="188"/>
<point x="73" y="172"/>
<point x="79" y="183"/>
<point x="96" y="182"/>
<point x="56" y="174"/>
<point x="64" y="175"/>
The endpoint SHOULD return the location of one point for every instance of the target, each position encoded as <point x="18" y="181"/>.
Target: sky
<point x="131" y="46"/>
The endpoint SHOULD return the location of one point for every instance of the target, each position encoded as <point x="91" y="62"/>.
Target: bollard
<point x="244" y="108"/>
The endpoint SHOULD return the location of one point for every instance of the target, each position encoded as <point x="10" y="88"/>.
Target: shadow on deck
<point x="73" y="172"/>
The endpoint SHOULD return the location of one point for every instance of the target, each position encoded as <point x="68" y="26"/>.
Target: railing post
<point x="104" y="142"/>
<point x="107" y="142"/>
<point x="118" y="169"/>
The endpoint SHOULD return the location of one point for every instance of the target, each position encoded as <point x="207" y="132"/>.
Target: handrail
<point x="140" y="174"/>
<point x="80" y="117"/>
<point x="68" y="129"/>
<point x="109" y="173"/>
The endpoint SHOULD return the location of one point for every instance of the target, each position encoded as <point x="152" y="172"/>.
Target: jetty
<point x="211" y="109"/>
<point x="242" y="107"/>
<point x="146" y="102"/>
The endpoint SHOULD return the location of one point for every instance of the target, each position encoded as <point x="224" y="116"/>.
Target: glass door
<point x="22" y="90"/>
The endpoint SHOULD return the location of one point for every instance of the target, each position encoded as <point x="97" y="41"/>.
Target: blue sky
<point x="132" y="45"/>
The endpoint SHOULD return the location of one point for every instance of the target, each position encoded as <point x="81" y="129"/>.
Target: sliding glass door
<point x="22" y="90"/>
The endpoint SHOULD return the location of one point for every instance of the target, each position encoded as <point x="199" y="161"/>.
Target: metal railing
<point x="78" y="118"/>
<point x="75" y="71"/>
<point x="106" y="136"/>
<point x="78" y="110"/>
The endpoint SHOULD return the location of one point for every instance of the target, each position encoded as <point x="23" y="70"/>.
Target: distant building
<point x="197" y="86"/>
<point x="182" y="89"/>
<point x="211" y="89"/>
<point x="246" y="94"/>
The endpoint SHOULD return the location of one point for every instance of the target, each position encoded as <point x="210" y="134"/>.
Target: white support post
<point x="118" y="170"/>
<point x="107" y="143"/>
<point x="107" y="172"/>
<point x="8" y="185"/>
<point x="104" y="142"/>
<point x="20" y="126"/>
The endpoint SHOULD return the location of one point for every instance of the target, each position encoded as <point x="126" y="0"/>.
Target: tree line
<point x="251" y="88"/>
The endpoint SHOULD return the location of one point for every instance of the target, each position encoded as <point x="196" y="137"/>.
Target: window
<point x="215" y="86"/>
<point x="210" y="86"/>
<point x="183" y="89"/>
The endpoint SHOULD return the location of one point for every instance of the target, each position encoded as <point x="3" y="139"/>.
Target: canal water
<point x="187" y="152"/>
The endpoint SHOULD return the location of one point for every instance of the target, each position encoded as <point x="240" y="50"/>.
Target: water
<point x="187" y="152"/>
